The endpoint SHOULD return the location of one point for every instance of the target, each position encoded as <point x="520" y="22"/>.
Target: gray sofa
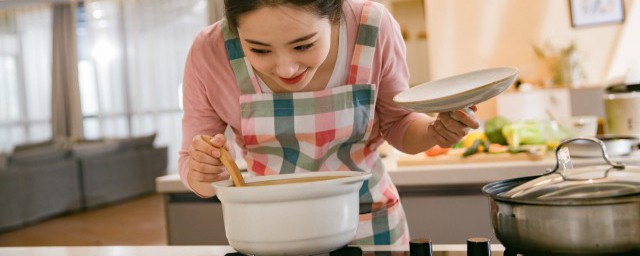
<point x="129" y="171"/>
<point x="42" y="180"/>
<point x="36" y="183"/>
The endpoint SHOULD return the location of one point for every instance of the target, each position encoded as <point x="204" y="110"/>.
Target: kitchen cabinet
<point x="563" y="102"/>
<point x="533" y="105"/>
<point x="191" y="220"/>
<point x="442" y="202"/>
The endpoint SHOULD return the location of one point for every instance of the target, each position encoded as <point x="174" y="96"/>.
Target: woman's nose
<point x="286" y="67"/>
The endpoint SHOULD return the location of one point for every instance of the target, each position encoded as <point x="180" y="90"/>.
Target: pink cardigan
<point x="210" y="93"/>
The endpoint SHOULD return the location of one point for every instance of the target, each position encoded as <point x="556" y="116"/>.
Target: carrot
<point x="436" y="151"/>
<point x="497" y="148"/>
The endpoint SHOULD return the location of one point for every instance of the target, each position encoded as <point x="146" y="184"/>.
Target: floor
<point x="138" y="221"/>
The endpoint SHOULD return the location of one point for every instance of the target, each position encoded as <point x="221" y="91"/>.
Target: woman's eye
<point x="259" y="51"/>
<point x="303" y="47"/>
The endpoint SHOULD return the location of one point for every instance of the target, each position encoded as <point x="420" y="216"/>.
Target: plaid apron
<point x="323" y="131"/>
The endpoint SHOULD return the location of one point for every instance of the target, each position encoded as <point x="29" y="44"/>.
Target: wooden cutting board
<point x="422" y="159"/>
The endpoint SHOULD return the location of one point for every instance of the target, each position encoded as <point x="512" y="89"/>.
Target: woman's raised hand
<point x="447" y="131"/>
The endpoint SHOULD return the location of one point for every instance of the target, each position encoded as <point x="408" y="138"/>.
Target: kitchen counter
<point x="444" y="175"/>
<point x="442" y="202"/>
<point x="442" y="250"/>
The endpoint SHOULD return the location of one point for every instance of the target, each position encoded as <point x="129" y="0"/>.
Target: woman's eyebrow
<point x="301" y="39"/>
<point x="304" y="38"/>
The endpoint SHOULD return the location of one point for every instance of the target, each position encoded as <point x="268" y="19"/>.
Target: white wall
<point x="625" y="64"/>
<point x="469" y="35"/>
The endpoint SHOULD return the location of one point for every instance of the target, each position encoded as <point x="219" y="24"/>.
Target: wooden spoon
<point x="231" y="166"/>
<point x="292" y="180"/>
<point x="238" y="180"/>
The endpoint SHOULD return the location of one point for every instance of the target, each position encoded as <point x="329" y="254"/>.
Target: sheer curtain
<point x="25" y="75"/>
<point x="132" y="56"/>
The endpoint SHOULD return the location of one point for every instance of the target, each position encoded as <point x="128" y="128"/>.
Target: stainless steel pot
<point x="569" y="211"/>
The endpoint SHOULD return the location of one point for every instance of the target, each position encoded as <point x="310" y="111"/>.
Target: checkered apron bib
<point x="323" y="131"/>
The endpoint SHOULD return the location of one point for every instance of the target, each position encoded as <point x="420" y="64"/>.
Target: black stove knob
<point x="420" y="247"/>
<point x="478" y="246"/>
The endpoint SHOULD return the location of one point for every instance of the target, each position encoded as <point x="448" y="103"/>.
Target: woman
<point x="307" y="86"/>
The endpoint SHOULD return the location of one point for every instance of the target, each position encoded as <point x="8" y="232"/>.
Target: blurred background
<point x="116" y="66"/>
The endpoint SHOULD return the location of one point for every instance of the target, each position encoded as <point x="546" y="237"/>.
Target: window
<point x="25" y="75"/>
<point x="131" y="59"/>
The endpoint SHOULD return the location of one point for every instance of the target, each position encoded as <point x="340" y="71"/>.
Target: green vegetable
<point x="524" y="133"/>
<point x="493" y="129"/>
<point x="486" y="144"/>
<point x="515" y="150"/>
<point x="473" y="149"/>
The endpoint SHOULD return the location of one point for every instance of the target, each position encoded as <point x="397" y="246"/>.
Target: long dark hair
<point x="331" y="9"/>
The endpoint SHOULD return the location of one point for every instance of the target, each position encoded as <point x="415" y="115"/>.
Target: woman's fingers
<point x="205" y="167"/>
<point x="466" y="119"/>
<point x="449" y="130"/>
<point x="209" y="177"/>
<point x="443" y="137"/>
<point x="204" y="162"/>
<point x="202" y="156"/>
<point x="202" y="143"/>
<point x="219" y="140"/>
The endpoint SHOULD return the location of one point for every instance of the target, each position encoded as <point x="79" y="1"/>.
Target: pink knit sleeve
<point x="200" y="117"/>
<point x="394" y="78"/>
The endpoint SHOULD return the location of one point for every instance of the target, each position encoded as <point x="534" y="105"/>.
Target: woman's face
<point x="285" y="44"/>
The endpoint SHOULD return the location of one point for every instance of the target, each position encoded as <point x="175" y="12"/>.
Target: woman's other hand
<point x="447" y="131"/>
<point x="204" y="163"/>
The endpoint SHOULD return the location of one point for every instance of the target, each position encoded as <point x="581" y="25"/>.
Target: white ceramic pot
<point x="292" y="219"/>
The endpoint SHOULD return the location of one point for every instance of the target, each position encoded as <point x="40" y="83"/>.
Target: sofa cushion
<point x="3" y="161"/>
<point x="39" y="154"/>
<point x="87" y="149"/>
<point x="137" y="142"/>
<point x="32" y="145"/>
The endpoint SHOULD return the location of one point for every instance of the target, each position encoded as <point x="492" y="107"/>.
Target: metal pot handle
<point x="616" y="165"/>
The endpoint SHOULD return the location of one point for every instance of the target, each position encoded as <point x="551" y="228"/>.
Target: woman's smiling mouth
<point x="294" y="79"/>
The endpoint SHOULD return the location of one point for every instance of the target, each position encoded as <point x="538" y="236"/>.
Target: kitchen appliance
<point x="477" y="246"/>
<point x="291" y="219"/>
<point x="474" y="247"/>
<point x="592" y="210"/>
<point x="622" y="110"/>
<point x="615" y="145"/>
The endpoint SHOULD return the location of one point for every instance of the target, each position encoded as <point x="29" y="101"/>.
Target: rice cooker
<point x="622" y="110"/>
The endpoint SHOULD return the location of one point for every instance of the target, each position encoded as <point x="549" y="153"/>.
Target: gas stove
<point x="353" y="251"/>
<point x="447" y="250"/>
<point x="418" y="247"/>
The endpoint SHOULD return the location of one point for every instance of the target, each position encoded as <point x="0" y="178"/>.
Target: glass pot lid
<point x="593" y="182"/>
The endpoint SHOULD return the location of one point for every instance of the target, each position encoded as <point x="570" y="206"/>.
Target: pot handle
<point x="616" y="165"/>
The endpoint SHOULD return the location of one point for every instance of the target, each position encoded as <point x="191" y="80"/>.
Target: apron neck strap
<point x="245" y="78"/>
<point x="364" y="51"/>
